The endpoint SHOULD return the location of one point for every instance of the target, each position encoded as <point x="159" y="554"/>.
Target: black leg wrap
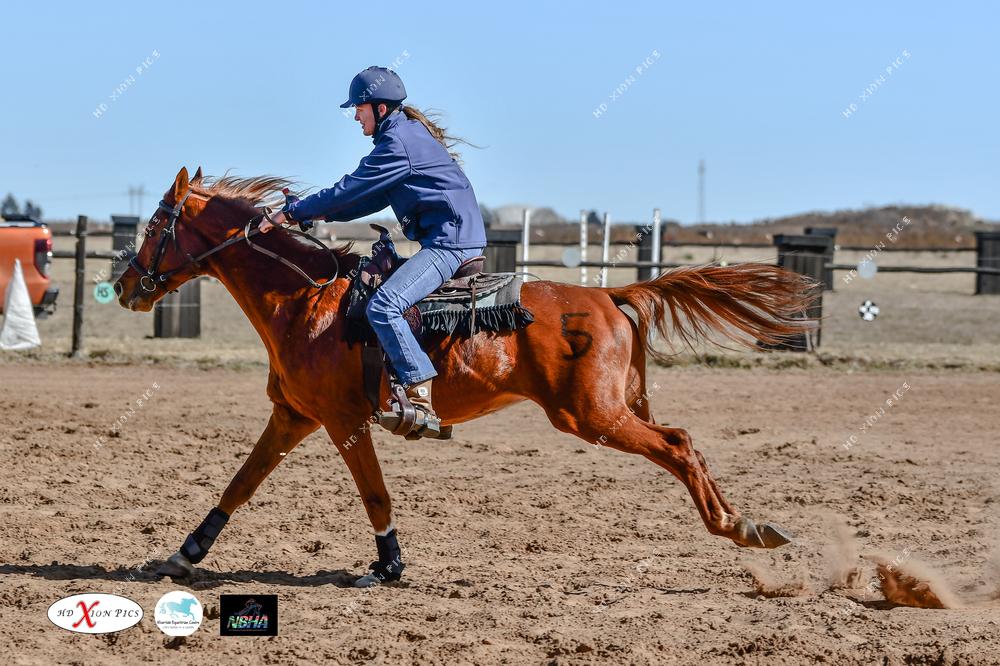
<point x="196" y="545"/>
<point x="390" y="561"/>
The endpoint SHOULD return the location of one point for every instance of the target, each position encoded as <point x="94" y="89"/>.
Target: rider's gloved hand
<point x="276" y="220"/>
<point x="304" y="225"/>
<point x="282" y="218"/>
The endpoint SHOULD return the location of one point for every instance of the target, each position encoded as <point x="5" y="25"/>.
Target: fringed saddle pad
<point x="450" y="310"/>
<point x="496" y="310"/>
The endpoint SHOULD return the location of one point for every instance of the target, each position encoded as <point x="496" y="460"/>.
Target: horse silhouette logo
<point x="179" y="609"/>
<point x="178" y="613"/>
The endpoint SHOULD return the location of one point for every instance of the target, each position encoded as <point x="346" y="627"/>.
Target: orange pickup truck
<point x="29" y="240"/>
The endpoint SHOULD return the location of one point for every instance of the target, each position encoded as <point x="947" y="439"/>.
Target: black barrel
<point x="644" y="236"/>
<point x="832" y="233"/>
<point x="501" y="250"/>
<point x="178" y="315"/>
<point x="123" y="242"/>
<point x="806" y="255"/>
<point x="987" y="256"/>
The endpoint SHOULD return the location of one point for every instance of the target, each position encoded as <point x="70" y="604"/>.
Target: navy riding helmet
<point x="376" y="85"/>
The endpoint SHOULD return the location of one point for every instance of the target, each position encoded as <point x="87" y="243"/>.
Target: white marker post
<point x="526" y="241"/>
<point x="606" y="249"/>
<point x="656" y="241"/>
<point x="583" y="248"/>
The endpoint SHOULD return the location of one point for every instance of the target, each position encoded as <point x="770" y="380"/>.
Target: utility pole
<point x="701" y="191"/>
<point x="137" y="193"/>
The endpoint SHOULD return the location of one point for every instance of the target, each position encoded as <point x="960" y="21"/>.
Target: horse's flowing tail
<point x="744" y="302"/>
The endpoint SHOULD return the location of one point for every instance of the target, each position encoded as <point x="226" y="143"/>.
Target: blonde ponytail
<point x="438" y="132"/>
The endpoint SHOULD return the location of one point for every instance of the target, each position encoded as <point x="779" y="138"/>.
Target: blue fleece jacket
<point x="412" y="172"/>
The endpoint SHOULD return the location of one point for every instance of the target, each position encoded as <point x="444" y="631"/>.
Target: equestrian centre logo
<point x="248" y="615"/>
<point x="95" y="613"/>
<point x="178" y="613"/>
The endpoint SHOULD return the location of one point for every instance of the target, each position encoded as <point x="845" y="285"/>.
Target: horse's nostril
<point x="118" y="289"/>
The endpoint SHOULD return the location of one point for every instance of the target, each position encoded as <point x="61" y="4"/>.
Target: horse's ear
<point x="197" y="176"/>
<point x="181" y="183"/>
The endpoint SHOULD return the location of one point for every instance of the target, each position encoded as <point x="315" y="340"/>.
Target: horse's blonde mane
<point x="254" y="190"/>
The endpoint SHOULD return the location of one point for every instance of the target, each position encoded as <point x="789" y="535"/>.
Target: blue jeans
<point x="417" y="277"/>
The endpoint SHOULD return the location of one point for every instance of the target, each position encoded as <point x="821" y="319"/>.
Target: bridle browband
<point x="156" y="278"/>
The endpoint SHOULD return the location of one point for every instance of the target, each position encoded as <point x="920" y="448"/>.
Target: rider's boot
<point x="412" y="414"/>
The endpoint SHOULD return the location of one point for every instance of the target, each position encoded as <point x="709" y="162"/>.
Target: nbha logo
<point x="95" y="613"/>
<point x="248" y="615"/>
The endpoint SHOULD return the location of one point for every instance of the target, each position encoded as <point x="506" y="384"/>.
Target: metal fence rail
<point x="508" y="250"/>
<point x="980" y="270"/>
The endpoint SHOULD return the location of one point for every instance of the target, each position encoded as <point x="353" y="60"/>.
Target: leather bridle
<point x="154" y="278"/>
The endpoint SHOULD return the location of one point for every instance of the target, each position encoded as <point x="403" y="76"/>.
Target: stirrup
<point x="444" y="433"/>
<point x="411" y="421"/>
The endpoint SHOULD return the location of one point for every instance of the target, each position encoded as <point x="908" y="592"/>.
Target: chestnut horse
<point x="582" y="360"/>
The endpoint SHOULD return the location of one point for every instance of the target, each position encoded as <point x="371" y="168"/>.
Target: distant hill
<point x="929" y="226"/>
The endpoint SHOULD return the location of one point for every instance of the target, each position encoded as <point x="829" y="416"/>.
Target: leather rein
<point x="154" y="278"/>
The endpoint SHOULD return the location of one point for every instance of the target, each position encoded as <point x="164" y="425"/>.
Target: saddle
<point x="471" y="301"/>
<point x="468" y="282"/>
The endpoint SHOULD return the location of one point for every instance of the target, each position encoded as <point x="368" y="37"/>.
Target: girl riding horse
<point x="411" y="170"/>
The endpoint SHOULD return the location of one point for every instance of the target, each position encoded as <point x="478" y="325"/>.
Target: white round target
<point x="571" y="257"/>
<point x="867" y="269"/>
<point x="868" y="311"/>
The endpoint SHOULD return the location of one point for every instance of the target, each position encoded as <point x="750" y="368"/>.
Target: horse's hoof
<point x="177" y="566"/>
<point x="773" y="536"/>
<point x="747" y="534"/>
<point x="765" y="536"/>
<point x="381" y="574"/>
<point x="374" y="580"/>
<point x="368" y="580"/>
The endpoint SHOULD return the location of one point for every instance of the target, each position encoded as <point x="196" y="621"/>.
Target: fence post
<point x="583" y="248"/>
<point x="81" y="266"/>
<point x="123" y="232"/>
<point x="649" y="238"/>
<point x="832" y="233"/>
<point x="805" y="255"/>
<point x="987" y="256"/>
<point x="501" y="251"/>
<point x="526" y="238"/>
<point x="605" y="249"/>
<point x="657" y="241"/>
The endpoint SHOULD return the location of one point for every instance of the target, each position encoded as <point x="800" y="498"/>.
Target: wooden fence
<point x="811" y="254"/>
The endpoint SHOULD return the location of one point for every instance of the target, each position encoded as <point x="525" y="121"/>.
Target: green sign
<point x="104" y="292"/>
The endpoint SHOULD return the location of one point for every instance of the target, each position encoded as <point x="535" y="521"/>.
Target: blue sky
<point x="758" y="92"/>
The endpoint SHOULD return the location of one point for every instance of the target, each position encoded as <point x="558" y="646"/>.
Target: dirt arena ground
<point x="523" y="545"/>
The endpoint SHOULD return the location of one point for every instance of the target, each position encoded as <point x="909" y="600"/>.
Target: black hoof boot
<point x="389" y="566"/>
<point x="180" y="565"/>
